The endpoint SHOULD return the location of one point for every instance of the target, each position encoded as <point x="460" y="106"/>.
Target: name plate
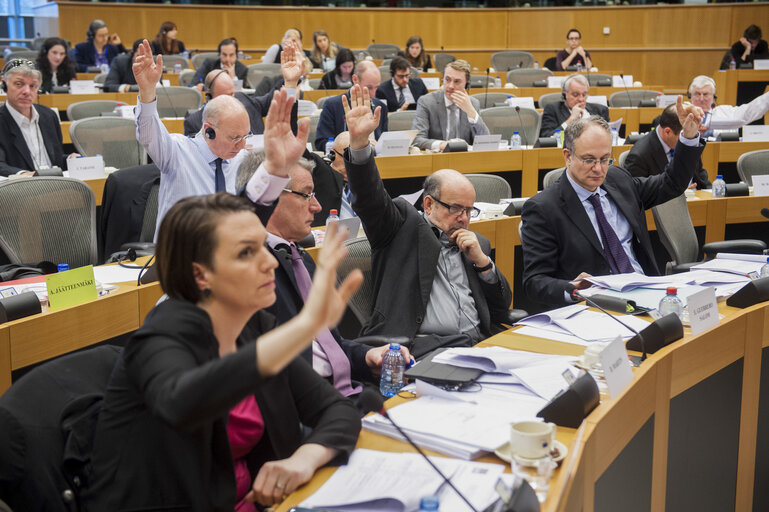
<point x="616" y="367"/>
<point x="761" y="185"/>
<point x="555" y="82"/>
<point x="432" y="83"/>
<point x="237" y="84"/>
<point x="667" y="99"/>
<point x="82" y="87"/>
<point x="524" y="102"/>
<point x="126" y="111"/>
<point x="703" y="310"/>
<point x="755" y="133"/>
<point x="86" y="167"/>
<point x="598" y="100"/>
<point x="618" y="81"/>
<point x="761" y="64"/>
<point x="306" y="108"/>
<point x="486" y="142"/>
<point x="393" y="144"/>
<point x="70" y="288"/>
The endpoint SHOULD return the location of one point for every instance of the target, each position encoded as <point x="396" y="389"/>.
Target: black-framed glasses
<point x="403" y="75"/>
<point x="17" y="63"/>
<point x="590" y="162"/>
<point x="458" y="209"/>
<point x="307" y="197"/>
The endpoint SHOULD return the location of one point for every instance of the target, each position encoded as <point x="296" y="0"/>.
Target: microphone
<point x="486" y="95"/>
<point x="371" y="401"/>
<point x="523" y="132"/>
<point x="629" y="101"/>
<point x="765" y="212"/>
<point x="592" y="303"/>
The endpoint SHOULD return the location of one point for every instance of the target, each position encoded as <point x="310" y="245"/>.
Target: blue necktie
<point x="612" y="247"/>
<point x="219" y="184"/>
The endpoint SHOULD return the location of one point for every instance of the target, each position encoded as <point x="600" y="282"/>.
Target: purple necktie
<point x="612" y="248"/>
<point x="336" y="357"/>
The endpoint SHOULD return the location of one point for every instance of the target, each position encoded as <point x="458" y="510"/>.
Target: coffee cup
<point x="532" y="439"/>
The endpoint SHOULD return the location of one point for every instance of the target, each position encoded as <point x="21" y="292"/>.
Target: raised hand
<point x="361" y="123"/>
<point x="147" y="71"/>
<point x="282" y="148"/>
<point x="690" y="117"/>
<point x="291" y="64"/>
<point x="461" y="99"/>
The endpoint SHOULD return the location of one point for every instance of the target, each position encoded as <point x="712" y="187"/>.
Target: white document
<point x="127" y="111"/>
<point x="587" y="325"/>
<point x="761" y="185"/>
<point x="734" y="266"/>
<point x="115" y="274"/>
<point x="395" y="143"/>
<point x="486" y="142"/>
<point x="598" y="100"/>
<point x="546" y="379"/>
<point x="432" y="84"/>
<point x="306" y="108"/>
<point x="523" y="102"/>
<point x="82" y="87"/>
<point x="495" y="359"/>
<point x="625" y="282"/>
<point x="741" y="257"/>
<point x="755" y="133"/>
<point x="549" y="334"/>
<point x="667" y="99"/>
<point x="86" y="167"/>
<point x="555" y="82"/>
<point x="703" y="310"/>
<point x="761" y="64"/>
<point x="616" y="367"/>
<point x="617" y="81"/>
<point x="616" y="124"/>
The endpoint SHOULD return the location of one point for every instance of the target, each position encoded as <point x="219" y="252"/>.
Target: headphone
<point x="209" y="86"/>
<point x="93" y="27"/>
<point x="708" y="81"/>
<point x="210" y="133"/>
<point x="15" y="63"/>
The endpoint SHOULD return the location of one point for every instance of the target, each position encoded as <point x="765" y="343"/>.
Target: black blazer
<point x="558" y="239"/>
<point x="161" y="439"/>
<point x="555" y="114"/>
<point x="647" y="158"/>
<point x="158" y="49"/>
<point x="120" y="72"/>
<point x="85" y="54"/>
<point x="256" y="106"/>
<point x="328" y="81"/>
<point x="331" y="122"/>
<point x="241" y="71"/>
<point x="405" y="258"/>
<point x="63" y="77"/>
<point x="14" y="153"/>
<point x="386" y="92"/>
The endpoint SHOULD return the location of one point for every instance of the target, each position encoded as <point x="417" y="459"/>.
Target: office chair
<point x="551" y="177"/>
<point x="551" y="97"/>
<point x="90" y="108"/>
<point x="481" y="81"/>
<point x="186" y="77"/>
<point x="677" y="235"/>
<point x="100" y="78"/>
<point x="598" y="80"/>
<point x="383" y="50"/>
<point x="489" y="188"/>
<point x="751" y="164"/>
<point x="400" y="120"/>
<point x="528" y="77"/>
<point x="176" y="101"/>
<point x="199" y="58"/>
<point x="622" y="158"/>
<point x="631" y="97"/>
<point x="440" y="60"/>
<point x="315" y="83"/>
<point x="24" y="53"/>
<point x="49" y="219"/>
<point x="550" y="63"/>
<point x="505" y="120"/>
<point x="112" y="137"/>
<point x="491" y="99"/>
<point x="37" y="43"/>
<point x="359" y="256"/>
<point x="256" y="72"/>
<point x="314" y="119"/>
<point x="511" y="59"/>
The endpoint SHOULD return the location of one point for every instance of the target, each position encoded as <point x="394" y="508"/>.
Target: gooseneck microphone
<point x="629" y="101"/>
<point x="486" y="95"/>
<point x="592" y="303"/>
<point x="371" y="401"/>
<point x="523" y="132"/>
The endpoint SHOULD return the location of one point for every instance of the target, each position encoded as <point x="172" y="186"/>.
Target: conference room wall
<point x="659" y="45"/>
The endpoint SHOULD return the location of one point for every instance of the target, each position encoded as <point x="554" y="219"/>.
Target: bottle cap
<point x="63" y="267"/>
<point x="719" y="176"/>
<point x="429" y="503"/>
<point x="671" y="290"/>
<point x="515" y="133"/>
<point x="333" y="212"/>
<point x="395" y="346"/>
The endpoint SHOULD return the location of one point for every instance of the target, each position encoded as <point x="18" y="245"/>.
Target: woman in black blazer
<point x="341" y="76"/>
<point x="54" y="64"/>
<point x="201" y="414"/>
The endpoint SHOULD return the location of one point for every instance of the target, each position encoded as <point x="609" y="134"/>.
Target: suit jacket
<point x="432" y="117"/>
<point x="168" y="400"/>
<point x="555" y="114"/>
<point x="14" y="153"/>
<point x="120" y="72"/>
<point x="241" y="71"/>
<point x="256" y="106"/>
<point x="85" y="54"/>
<point x="328" y="81"/>
<point x="647" y="157"/>
<point x="63" y="77"/>
<point x="558" y="238"/>
<point x="404" y="259"/>
<point x="331" y="122"/>
<point x="386" y="92"/>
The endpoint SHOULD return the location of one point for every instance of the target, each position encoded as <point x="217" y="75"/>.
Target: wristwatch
<point x="484" y="269"/>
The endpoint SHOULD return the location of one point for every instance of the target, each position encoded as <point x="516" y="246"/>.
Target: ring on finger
<point x="279" y="486"/>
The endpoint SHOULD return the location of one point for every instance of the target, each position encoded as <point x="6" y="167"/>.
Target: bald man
<point x="331" y="122"/>
<point x="433" y="275"/>
<point x="209" y="162"/>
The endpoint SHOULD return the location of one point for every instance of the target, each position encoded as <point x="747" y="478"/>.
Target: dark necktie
<point x="336" y="357"/>
<point x="672" y="153"/>
<point x="612" y="248"/>
<point x="453" y="122"/>
<point x="219" y="184"/>
<point x="401" y="98"/>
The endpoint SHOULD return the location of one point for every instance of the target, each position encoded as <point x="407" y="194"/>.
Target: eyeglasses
<point x="574" y="38"/>
<point x="458" y="209"/>
<point x="307" y="197"/>
<point x="402" y="75"/>
<point x="236" y="140"/>
<point x="590" y="162"/>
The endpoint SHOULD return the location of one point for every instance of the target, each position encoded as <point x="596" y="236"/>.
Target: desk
<point x="642" y="451"/>
<point x="727" y="82"/>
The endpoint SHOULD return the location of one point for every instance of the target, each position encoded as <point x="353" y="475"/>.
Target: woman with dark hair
<point x="341" y="76"/>
<point x="324" y="51"/>
<point x="750" y="46"/>
<point x="99" y="48"/>
<point x="573" y="54"/>
<point x="415" y="54"/>
<point x="165" y="42"/>
<point x="54" y="64"/>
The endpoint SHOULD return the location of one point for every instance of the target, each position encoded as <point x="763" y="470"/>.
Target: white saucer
<point x="504" y="453"/>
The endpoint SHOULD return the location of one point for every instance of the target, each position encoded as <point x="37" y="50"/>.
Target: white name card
<point x="393" y="144"/>
<point x="238" y="84"/>
<point x="755" y="133"/>
<point x="617" y="81"/>
<point x="761" y="185"/>
<point x="82" y="87"/>
<point x="523" y="102"/>
<point x="703" y="310"/>
<point x="306" y="108"/>
<point x="86" y="167"/>
<point x="616" y="367"/>
<point x="486" y="142"/>
<point x="598" y="100"/>
<point x="554" y="82"/>
<point x="126" y="111"/>
<point x="432" y="83"/>
<point x="667" y="99"/>
<point x="761" y="64"/>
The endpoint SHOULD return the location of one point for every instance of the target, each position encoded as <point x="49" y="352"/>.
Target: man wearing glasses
<point x="592" y="220"/>
<point x="433" y="275"/>
<point x="208" y="162"/>
<point x="402" y="92"/>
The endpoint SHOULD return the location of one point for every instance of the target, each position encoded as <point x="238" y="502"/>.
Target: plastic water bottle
<point x="333" y="216"/>
<point x="658" y="100"/>
<point x="178" y="68"/>
<point x="104" y="68"/>
<point x="579" y="67"/>
<point x="614" y="137"/>
<point x="515" y="141"/>
<point x="497" y="82"/>
<point x="392" y="371"/>
<point x="429" y="503"/>
<point x="558" y="139"/>
<point x="732" y="64"/>
<point x="670" y="303"/>
<point x="509" y="101"/>
<point x="536" y="64"/>
<point x="186" y="54"/>
<point x="241" y="55"/>
<point x="719" y="187"/>
<point x="361" y="56"/>
<point x="329" y="146"/>
<point x="765" y="269"/>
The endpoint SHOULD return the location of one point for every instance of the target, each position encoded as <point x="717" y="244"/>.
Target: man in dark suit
<point x="332" y="123"/>
<point x="433" y="276"/>
<point x="574" y="106"/>
<point x="449" y="113"/>
<point x="654" y="153"/>
<point x="228" y="61"/>
<point x="121" y="74"/>
<point x="287" y="222"/>
<point x="592" y="220"/>
<point x="31" y="137"/>
<point x="401" y="91"/>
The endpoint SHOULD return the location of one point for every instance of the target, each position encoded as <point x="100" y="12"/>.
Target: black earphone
<point x="208" y="88"/>
<point x="210" y="133"/>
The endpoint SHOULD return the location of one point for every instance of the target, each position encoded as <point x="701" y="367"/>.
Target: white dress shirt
<point x="435" y="146"/>
<point x="746" y="113"/>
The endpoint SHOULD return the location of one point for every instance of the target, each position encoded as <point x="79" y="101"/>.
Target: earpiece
<point x="210" y="133"/>
<point x="563" y="95"/>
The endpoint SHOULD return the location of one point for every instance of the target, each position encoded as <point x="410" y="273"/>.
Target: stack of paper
<point x="742" y="264"/>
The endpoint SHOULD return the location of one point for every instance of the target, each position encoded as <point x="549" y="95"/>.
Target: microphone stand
<point x="629" y="101"/>
<point x="523" y="132"/>
<point x="486" y="95"/>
